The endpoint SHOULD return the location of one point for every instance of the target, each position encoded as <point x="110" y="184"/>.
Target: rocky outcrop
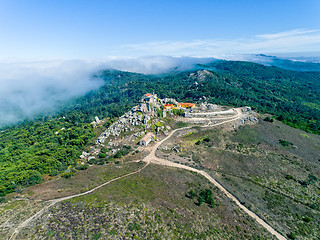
<point x="209" y="107"/>
<point x="200" y="75"/>
<point x="84" y="155"/>
<point x="130" y="119"/>
<point x="245" y="120"/>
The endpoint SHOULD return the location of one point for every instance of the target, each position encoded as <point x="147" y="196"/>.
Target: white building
<point x="147" y="139"/>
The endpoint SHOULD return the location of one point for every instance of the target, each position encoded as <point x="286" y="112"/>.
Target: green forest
<point x="53" y="143"/>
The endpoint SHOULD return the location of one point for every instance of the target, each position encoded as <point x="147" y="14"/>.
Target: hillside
<point x="163" y="196"/>
<point x="278" y="181"/>
<point x="48" y="150"/>
<point x="166" y="198"/>
<point x="32" y="149"/>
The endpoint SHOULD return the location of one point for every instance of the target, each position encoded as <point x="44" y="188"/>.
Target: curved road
<point x="54" y="201"/>
<point x="151" y="158"/>
<point x="230" y="111"/>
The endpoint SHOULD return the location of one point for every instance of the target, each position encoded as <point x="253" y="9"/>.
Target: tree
<point x="118" y="154"/>
<point x="292" y="236"/>
<point x="102" y="155"/>
<point x="159" y="113"/>
<point x="178" y="112"/>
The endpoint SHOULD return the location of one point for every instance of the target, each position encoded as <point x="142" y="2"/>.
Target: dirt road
<point x="54" y="201"/>
<point x="153" y="159"/>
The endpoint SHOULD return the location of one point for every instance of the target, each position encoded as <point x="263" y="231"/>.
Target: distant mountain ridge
<point x="300" y="64"/>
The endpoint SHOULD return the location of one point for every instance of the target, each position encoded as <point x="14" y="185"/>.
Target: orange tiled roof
<point x="187" y="104"/>
<point x="148" y="94"/>
<point x="168" y="105"/>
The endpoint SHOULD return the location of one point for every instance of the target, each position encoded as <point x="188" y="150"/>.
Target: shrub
<point x="178" y="112"/>
<point x="102" y="155"/>
<point x="291" y="236"/>
<point x="280" y="118"/>
<point x="303" y="183"/>
<point x="306" y="219"/>
<point x="100" y="162"/>
<point x="54" y="172"/>
<point x="207" y="197"/>
<point x="206" y="139"/>
<point x="285" y="143"/>
<point x="311" y="178"/>
<point x="125" y="150"/>
<point x="3" y="191"/>
<point x="289" y="177"/>
<point x="159" y="113"/>
<point x="32" y="177"/>
<point x="204" y="196"/>
<point x="82" y="167"/>
<point x="92" y="161"/>
<point x="268" y="119"/>
<point x="314" y="206"/>
<point x="67" y="174"/>
<point x="191" y="194"/>
<point x="104" y="150"/>
<point x="118" y="154"/>
<point x="200" y="201"/>
<point x="134" y="226"/>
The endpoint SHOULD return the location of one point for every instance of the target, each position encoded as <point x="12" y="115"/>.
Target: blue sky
<point x="50" y="48"/>
<point x="97" y="29"/>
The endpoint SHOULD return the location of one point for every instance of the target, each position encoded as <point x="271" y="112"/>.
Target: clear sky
<point x="104" y="28"/>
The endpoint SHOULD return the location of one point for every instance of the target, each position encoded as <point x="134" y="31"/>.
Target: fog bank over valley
<point x="31" y="87"/>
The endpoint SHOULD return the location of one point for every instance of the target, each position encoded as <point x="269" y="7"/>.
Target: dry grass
<point x="280" y="183"/>
<point x="149" y="205"/>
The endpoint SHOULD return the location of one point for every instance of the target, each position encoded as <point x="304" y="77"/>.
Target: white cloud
<point x="30" y="87"/>
<point x="285" y="34"/>
<point x="297" y="40"/>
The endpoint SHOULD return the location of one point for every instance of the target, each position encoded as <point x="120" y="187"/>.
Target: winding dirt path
<point x="151" y="158"/>
<point x="52" y="202"/>
<point x="57" y="200"/>
<point x="154" y="159"/>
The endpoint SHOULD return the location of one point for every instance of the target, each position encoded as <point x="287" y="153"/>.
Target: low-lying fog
<point x="31" y="87"/>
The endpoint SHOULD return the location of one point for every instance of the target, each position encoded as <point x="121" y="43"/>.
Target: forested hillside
<point x="293" y="97"/>
<point x="52" y="144"/>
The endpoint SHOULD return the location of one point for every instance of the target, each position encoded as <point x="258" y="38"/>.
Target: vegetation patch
<point x="285" y="143"/>
<point x="202" y="196"/>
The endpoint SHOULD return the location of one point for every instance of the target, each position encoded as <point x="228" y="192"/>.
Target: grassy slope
<point x="251" y="163"/>
<point x="150" y="205"/>
<point x="280" y="183"/>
